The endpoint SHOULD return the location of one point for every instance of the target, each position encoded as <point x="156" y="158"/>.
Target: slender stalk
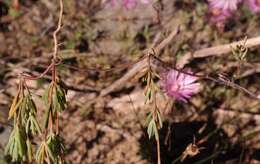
<point x="158" y="151"/>
<point x="27" y="77"/>
<point x="57" y="30"/>
<point x="177" y="159"/>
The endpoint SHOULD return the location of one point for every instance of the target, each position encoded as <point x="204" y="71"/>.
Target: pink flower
<point x="253" y="5"/>
<point x="221" y="10"/>
<point x="179" y="85"/>
<point x="229" y="5"/>
<point x="129" y="4"/>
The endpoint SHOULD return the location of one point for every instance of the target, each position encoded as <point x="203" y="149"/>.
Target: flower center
<point x="216" y="11"/>
<point x="175" y="87"/>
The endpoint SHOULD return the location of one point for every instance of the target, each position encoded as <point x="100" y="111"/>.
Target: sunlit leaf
<point x="40" y="154"/>
<point x="150" y="129"/>
<point x="148" y="118"/>
<point x="14" y="107"/>
<point x="16" y="146"/>
<point x="29" y="150"/>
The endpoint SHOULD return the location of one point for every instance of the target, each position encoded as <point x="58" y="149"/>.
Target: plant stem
<point x="158" y="151"/>
<point x="57" y="30"/>
<point x="177" y="159"/>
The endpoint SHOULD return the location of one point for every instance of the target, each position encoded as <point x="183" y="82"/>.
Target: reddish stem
<point x="27" y="77"/>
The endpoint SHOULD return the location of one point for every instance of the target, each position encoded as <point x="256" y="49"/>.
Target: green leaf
<point x="148" y="95"/>
<point x="56" y="105"/>
<point x="159" y="118"/>
<point x="27" y="127"/>
<point x="21" y="143"/>
<point x="16" y="146"/>
<point x="50" y="153"/>
<point x="14" y="107"/>
<point x="36" y="125"/>
<point x="10" y="145"/>
<point x="32" y="106"/>
<point x="61" y="94"/>
<point x="148" y="118"/>
<point x="150" y="130"/>
<point x="24" y="111"/>
<point x="47" y="116"/>
<point x="46" y="94"/>
<point x="32" y="126"/>
<point x="29" y="150"/>
<point x="55" y="145"/>
<point x="59" y="98"/>
<point x="40" y="153"/>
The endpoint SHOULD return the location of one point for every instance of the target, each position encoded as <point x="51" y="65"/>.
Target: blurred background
<point x="102" y="35"/>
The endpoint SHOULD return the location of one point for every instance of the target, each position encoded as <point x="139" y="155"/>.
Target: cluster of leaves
<point x="154" y="119"/>
<point x="55" y="100"/>
<point x="23" y="111"/>
<point x="51" y="150"/>
<point x="240" y="51"/>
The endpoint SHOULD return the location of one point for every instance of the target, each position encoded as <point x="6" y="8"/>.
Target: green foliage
<point x="32" y="125"/>
<point x="55" y="143"/>
<point x="43" y="152"/>
<point x="23" y="111"/>
<point x="55" y="101"/>
<point x="154" y="122"/>
<point x="16" y="146"/>
<point x="148" y="91"/>
<point x="29" y="150"/>
<point x="51" y="150"/>
<point x="152" y="130"/>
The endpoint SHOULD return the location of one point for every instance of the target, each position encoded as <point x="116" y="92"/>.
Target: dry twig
<point x="215" y="51"/>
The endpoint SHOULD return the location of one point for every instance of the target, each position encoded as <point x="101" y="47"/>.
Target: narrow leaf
<point x="14" y="107"/>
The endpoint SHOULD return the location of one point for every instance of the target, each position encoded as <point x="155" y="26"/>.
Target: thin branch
<point x="57" y="30"/>
<point x="27" y="77"/>
<point x="54" y="61"/>
<point x="215" y="51"/>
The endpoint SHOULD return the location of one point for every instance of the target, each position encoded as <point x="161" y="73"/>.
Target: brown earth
<point x="112" y="130"/>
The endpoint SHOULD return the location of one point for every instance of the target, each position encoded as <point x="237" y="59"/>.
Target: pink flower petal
<point x="179" y="85"/>
<point x="253" y="5"/>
